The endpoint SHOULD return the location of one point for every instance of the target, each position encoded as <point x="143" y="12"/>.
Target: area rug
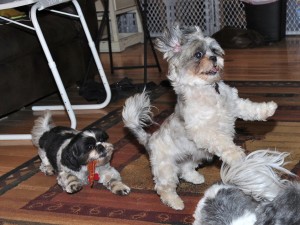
<point x="143" y="204"/>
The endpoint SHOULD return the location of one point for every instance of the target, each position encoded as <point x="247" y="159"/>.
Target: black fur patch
<point x="52" y="140"/>
<point x="76" y="153"/>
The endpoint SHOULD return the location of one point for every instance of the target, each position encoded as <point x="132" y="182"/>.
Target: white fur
<point x="258" y="174"/>
<point x="42" y="124"/>
<point x="249" y="218"/>
<point x="209" y="194"/>
<point x="266" y="196"/>
<point x="202" y="124"/>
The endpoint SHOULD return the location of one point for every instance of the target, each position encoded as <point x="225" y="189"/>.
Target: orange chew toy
<point x="92" y="176"/>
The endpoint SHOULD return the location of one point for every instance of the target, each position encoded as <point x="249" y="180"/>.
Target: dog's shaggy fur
<point x="67" y="152"/>
<point x="202" y="124"/>
<point x="252" y="192"/>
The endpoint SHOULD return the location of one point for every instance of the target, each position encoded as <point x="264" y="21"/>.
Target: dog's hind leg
<point x="166" y="180"/>
<point x="189" y="173"/>
<point x="45" y="166"/>
<point x="169" y="196"/>
<point x="69" y="183"/>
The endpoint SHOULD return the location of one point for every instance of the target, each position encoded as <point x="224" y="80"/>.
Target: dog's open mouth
<point x="213" y="71"/>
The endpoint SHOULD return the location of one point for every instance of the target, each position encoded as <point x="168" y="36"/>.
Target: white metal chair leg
<point x="11" y="137"/>
<point x="99" y="67"/>
<point x="52" y="66"/>
<point x="67" y="105"/>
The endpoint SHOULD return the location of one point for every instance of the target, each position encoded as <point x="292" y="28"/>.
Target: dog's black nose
<point x="213" y="58"/>
<point x="103" y="154"/>
<point x="101" y="150"/>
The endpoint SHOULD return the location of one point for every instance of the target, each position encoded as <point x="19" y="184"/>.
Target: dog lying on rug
<point x="252" y="193"/>
<point x="202" y="124"/>
<point x="78" y="157"/>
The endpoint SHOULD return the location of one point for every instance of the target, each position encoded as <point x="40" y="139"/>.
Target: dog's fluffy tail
<point x="259" y="174"/>
<point x="137" y="115"/>
<point x="41" y="125"/>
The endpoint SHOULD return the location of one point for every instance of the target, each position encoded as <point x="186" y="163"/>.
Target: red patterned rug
<point x="143" y="205"/>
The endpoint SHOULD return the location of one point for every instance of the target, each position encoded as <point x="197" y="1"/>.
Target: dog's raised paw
<point x="272" y="106"/>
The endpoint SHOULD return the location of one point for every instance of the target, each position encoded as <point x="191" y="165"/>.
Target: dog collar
<point x="92" y="175"/>
<point x="216" y="86"/>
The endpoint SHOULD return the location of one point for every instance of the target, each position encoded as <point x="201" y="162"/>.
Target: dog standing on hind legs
<point x="203" y="121"/>
<point x="68" y="152"/>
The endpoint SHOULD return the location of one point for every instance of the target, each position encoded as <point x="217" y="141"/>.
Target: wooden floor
<point x="276" y="62"/>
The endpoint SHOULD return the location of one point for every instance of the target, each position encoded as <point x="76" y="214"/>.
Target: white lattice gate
<point x="162" y="13"/>
<point x="210" y="15"/>
<point x="293" y="17"/>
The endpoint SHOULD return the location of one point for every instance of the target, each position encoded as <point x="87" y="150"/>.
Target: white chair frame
<point x="38" y="5"/>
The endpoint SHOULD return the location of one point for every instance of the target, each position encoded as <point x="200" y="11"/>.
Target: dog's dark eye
<point x="90" y="147"/>
<point x="198" y="55"/>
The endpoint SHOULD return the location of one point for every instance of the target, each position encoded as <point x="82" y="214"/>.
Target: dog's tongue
<point x="215" y="69"/>
<point x="92" y="176"/>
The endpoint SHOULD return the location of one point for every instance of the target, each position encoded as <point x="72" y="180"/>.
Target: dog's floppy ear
<point x="70" y="156"/>
<point x="215" y="46"/>
<point x="170" y="42"/>
<point x="100" y="134"/>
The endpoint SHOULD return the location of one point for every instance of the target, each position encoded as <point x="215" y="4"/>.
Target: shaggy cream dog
<point x="203" y="122"/>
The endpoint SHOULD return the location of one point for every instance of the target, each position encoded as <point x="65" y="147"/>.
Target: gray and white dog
<point x="252" y="192"/>
<point x="202" y="124"/>
<point x="67" y="152"/>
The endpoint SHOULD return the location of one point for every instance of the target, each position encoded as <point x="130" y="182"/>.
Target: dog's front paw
<point x="270" y="110"/>
<point x="73" y="187"/>
<point x="69" y="183"/>
<point x="234" y="155"/>
<point x="119" y="188"/>
<point x="47" y="169"/>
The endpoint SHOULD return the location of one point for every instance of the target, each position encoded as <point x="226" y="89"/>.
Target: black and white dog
<point x="252" y="192"/>
<point x="68" y="152"/>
